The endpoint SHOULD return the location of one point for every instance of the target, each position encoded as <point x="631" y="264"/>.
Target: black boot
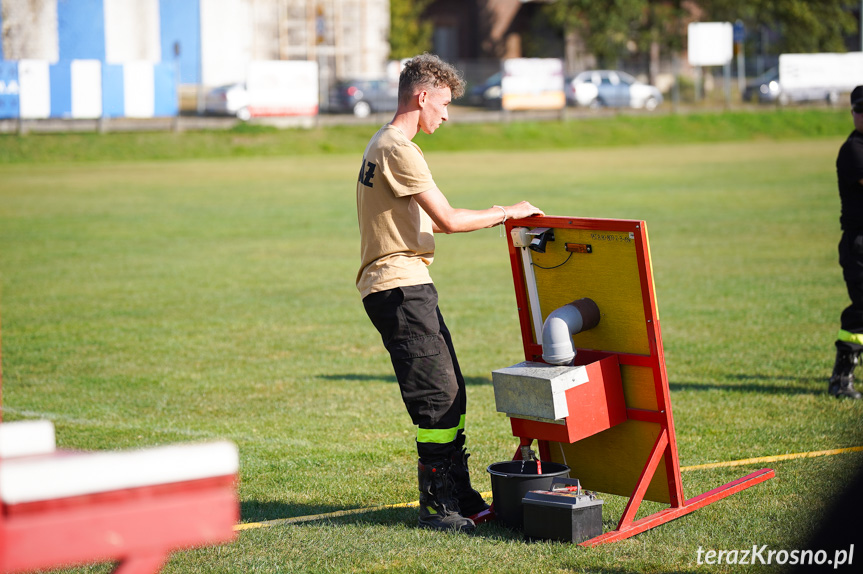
<point x="438" y="507"/>
<point x="842" y="380"/>
<point x="470" y="501"/>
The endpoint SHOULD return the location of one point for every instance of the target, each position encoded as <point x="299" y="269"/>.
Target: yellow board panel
<point x="608" y="261"/>
<point x="612" y="460"/>
<point x="606" y="265"/>
<point x="608" y="275"/>
<point x="638" y="387"/>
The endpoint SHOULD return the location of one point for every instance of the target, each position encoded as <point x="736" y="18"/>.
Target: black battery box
<point x="565" y="512"/>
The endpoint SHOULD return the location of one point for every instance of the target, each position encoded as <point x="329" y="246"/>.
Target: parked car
<point x="364" y="97"/>
<point x="766" y="88"/>
<point x="229" y="100"/>
<point x="488" y="93"/>
<point x="613" y="89"/>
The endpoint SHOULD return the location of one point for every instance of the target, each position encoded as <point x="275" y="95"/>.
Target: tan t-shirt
<point x="396" y="236"/>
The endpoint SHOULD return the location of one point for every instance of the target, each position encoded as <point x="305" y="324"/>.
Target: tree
<point x="664" y="24"/>
<point x="410" y="34"/>
<point x="801" y="25"/>
<point x="663" y="30"/>
<point x="641" y="29"/>
<point x="628" y="27"/>
<point x="607" y="28"/>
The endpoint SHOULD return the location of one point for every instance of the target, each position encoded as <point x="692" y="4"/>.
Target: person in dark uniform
<point x="849" y="171"/>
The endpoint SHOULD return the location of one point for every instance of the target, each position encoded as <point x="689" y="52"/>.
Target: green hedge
<point x="250" y="140"/>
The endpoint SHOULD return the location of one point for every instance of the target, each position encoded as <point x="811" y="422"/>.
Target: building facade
<point x="200" y="43"/>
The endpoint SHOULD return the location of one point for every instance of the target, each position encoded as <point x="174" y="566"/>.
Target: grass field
<point x="164" y="300"/>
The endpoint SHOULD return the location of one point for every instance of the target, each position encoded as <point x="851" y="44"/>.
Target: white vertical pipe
<point x="532" y="294"/>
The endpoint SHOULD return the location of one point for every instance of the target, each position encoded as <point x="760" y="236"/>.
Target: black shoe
<point x="843" y="388"/>
<point x="842" y="380"/>
<point x="439" y="509"/>
<point x="470" y="501"/>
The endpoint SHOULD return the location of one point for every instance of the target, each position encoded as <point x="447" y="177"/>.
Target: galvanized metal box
<point x="535" y="390"/>
<point x="561" y="403"/>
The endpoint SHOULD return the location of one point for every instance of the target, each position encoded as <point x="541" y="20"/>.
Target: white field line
<point x="122" y="425"/>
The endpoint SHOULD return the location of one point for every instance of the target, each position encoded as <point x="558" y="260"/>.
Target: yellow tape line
<point x="338" y="513"/>
<point x="776" y="458"/>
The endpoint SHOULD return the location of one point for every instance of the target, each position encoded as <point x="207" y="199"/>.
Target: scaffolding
<point x="347" y="38"/>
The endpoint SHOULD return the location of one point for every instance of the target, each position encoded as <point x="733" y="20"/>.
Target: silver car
<point x="230" y="100"/>
<point x="611" y="88"/>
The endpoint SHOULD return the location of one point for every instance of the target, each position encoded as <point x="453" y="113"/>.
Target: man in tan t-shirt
<point x="399" y="208"/>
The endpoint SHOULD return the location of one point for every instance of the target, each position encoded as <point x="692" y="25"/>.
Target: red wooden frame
<point x="665" y="444"/>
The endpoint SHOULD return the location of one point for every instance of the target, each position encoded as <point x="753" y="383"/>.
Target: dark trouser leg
<point x="420" y="348"/>
<point x="432" y="388"/>
<point x="469" y="500"/>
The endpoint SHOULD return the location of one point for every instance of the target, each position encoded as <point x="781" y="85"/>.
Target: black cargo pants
<point x="850" y="337"/>
<point x="421" y="350"/>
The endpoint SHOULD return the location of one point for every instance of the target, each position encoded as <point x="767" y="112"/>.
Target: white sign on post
<point x="710" y="43"/>
<point x="283" y="88"/>
<point x="532" y="84"/>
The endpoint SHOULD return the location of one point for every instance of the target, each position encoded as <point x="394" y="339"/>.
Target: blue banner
<point x="61" y="89"/>
<point x="113" y="105"/>
<point x="9" y="98"/>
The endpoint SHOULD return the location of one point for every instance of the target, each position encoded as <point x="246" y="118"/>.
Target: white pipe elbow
<point x="561" y="325"/>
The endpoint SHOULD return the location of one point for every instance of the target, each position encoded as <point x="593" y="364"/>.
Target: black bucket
<point x="511" y="480"/>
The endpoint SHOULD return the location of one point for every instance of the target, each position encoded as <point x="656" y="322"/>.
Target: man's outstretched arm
<point x="449" y="219"/>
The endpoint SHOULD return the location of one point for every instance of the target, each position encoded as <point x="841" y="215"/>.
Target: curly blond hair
<point x="428" y="70"/>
